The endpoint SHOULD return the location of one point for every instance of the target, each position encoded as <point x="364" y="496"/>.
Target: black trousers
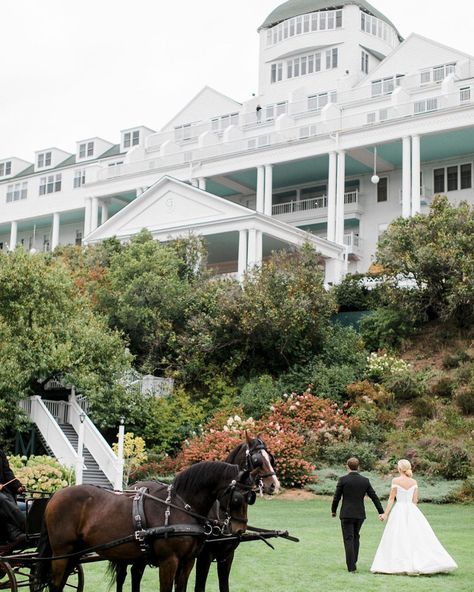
<point x="11" y="515"/>
<point x="350" y="533"/>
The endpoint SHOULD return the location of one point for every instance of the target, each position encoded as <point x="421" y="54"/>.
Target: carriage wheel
<point x="74" y="583"/>
<point x="7" y="577"/>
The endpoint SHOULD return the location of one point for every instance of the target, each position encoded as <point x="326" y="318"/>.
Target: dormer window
<point x="437" y="74"/>
<point x="86" y="149"/>
<point x="44" y="159"/>
<point x="131" y="138"/>
<point x="5" y="168"/>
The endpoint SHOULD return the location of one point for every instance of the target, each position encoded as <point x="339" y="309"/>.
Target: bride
<point x="408" y="544"/>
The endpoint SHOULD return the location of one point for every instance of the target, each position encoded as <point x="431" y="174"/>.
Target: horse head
<point x="261" y="464"/>
<point x="233" y="503"/>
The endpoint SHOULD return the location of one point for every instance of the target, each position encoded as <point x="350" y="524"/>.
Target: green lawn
<point x="316" y="563"/>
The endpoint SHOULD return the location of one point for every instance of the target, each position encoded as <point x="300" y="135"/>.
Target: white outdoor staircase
<point x="59" y="424"/>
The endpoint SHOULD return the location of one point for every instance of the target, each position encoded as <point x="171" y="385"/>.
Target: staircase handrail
<point x="96" y="444"/>
<point x="51" y="432"/>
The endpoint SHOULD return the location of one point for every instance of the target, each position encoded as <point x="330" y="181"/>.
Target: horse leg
<point x="137" y="573"/>
<point x="203" y="563"/>
<point x="168" y="569"/>
<point x="223" y="572"/>
<point x="182" y="575"/>
<point x="120" y="576"/>
<point x="60" y="570"/>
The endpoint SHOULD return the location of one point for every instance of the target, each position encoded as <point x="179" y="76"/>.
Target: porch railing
<point x="312" y="203"/>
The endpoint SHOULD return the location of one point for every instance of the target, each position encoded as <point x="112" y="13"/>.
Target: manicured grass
<point x="316" y="563"/>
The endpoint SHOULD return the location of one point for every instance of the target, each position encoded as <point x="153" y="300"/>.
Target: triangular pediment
<point x="169" y="204"/>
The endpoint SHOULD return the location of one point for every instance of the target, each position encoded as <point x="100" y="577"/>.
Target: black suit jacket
<point x="6" y="474"/>
<point x="353" y="487"/>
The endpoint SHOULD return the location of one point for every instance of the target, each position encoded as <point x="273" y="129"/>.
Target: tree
<point x="436" y="252"/>
<point x="48" y="329"/>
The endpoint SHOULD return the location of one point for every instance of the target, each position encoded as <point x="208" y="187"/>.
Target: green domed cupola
<point x="293" y="8"/>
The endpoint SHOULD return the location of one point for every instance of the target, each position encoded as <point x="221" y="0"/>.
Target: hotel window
<point x="131" y="138"/>
<point x="452" y="178"/>
<point x="273" y="111"/>
<point x="315" y="21"/>
<point x="437" y="73"/>
<point x="5" y="168"/>
<point x="86" y="149"/>
<point x="318" y="101"/>
<point x="50" y="184"/>
<point x="79" y="178"/>
<point x="219" y="124"/>
<point x="78" y="240"/>
<point x="386" y="86"/>
<point x="44" y="159"/>
<point x="382" y="190"/>
<point x="331" y="58"/>
<point x="364" y="62"/>
<point x="17" y="191"/>
<point x="182" y="132"/>
<point x="465" y="94"/>
<point x="425" y="106"/>
<point x="277" y="72"/>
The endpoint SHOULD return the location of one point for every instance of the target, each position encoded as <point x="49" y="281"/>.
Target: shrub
<point x="382" y="365"/>
<point x="424" y="407"/>
<point x="406" y="385"/>
<point x="464" y="398"/>
<point x="443" y="387"/>
<point x="454" y="463"/>
<point x="351" y="294"/>
<point x="134" y="454"/>
<point x="455" y="359"/>
<point x="465" y="493"/>
<point x="385" y="328"/>
<point x="257" y="395"/>
<point x="41" y="474"/>
<point x="339" y="452"/>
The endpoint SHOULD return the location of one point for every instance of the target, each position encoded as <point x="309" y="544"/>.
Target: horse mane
<point x="234" y="454"/>
<point x="199" y="476"/>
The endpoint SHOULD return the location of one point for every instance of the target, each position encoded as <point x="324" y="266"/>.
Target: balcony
<point x="353" y="242"/>
<point x="314" y="207"/>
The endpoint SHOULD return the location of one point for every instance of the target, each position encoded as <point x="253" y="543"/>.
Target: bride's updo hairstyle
<point x="404" y="466"/>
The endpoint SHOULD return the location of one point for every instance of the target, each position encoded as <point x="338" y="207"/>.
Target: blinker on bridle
<point x="255" y="459"/>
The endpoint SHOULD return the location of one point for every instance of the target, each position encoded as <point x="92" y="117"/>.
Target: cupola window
<point x="324" y="20"/>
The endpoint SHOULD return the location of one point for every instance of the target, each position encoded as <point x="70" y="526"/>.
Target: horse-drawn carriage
<point x="163" y="525"/>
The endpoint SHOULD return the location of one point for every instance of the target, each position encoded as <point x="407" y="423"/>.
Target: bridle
<point x="236" y="494"/>
<point x="254" y="460"/>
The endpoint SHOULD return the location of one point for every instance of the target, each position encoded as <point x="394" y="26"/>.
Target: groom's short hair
<point x="353" y="463"/>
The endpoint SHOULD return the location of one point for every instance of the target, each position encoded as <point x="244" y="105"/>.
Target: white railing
<point x="96" y="444"/>
<point x="313" y="203"/>
<point x="352" y="240"/>
<point x="58" y="409"/>
<point x="51" y="432"/>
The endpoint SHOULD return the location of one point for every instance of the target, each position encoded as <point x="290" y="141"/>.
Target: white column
<point x="252" y="247"/>
<point x="331" y="232"/>
<point x="55" y="233"/>
<point x="340" y="190"/>
<point x="104" y="212"/>
<point x="87" y="216"/>
<point x="118" y="485"/>
<point x="94" y="213"/>
<point x="202" y="183"/>
<point x="268" y="189"/>
<point x="194" y="183"/>
<point x="13" y="235"/>
<point x="406" y="177"/>
<point x="80" y="452"/>
<point x="415" y="176"/>
<point x="260" y="189"/>
<point x="242" y="265"/>
<point x="258" y="247"/>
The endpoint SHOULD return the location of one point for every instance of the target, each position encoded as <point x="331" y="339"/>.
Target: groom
<point x="353" y="487"/>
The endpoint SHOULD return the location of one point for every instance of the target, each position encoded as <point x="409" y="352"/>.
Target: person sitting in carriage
<point x="12" y="518"/>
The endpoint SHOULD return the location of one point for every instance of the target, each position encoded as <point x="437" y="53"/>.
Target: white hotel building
<point x="343" y="101"/>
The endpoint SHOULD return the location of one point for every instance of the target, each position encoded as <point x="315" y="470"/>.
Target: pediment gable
<point x="169" y="204"/>
<point x="412" y="56"/>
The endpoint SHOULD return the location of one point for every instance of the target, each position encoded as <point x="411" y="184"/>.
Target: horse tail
<point x="41" y="571"/>
<point x="116" y="573"/>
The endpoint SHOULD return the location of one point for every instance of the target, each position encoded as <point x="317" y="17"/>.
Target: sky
<point x="75" y="69"/>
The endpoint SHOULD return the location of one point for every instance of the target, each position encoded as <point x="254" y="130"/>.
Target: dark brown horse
<point x="85" y="516"/>
<point x="251" y="456"/>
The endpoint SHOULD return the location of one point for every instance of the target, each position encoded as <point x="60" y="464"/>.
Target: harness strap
<point x="140" y="522"/>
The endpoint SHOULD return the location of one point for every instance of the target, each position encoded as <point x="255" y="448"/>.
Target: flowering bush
<point x="134" y="454"/>
<point x="41" y="474"/>
<point x="381" y="365"/>
<point x="286" y="430"/>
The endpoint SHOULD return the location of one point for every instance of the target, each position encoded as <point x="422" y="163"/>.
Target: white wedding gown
<point x="408" y="544"/>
